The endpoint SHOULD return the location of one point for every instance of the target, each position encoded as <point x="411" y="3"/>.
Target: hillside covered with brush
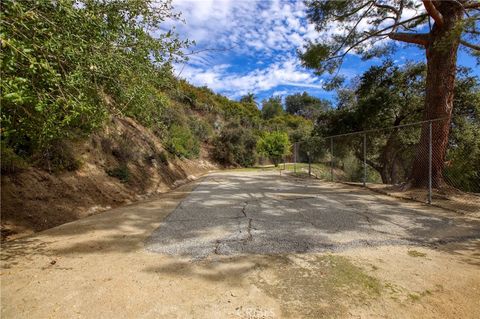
<point x="93" y="115"/>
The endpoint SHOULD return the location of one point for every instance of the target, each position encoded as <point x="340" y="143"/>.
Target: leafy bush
<point x="163" y="157"/>
<point x="274" y="145"/>
<point x="201" y="129"/>
<point x="61" y="59"/>
<point x="121" y="172"/>
<point x="182" y="142"/>
<point x="58" y="156"/>
<point x="235" y="145"/>
<point x="272" y="107"/>
<point x="149" y="113"/>
<point x="10" y="162"/>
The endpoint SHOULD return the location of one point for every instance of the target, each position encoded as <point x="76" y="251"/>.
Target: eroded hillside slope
<point x="120" y="164"/>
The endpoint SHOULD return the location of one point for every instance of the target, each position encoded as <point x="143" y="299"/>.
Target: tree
<point x="248" y="98"/>
<point x="248" y="101"/>
<point x="272" y="107"/>
<point x="365" y="24"/>
<point x="274" y="145"/>
<point x="305" y="105"/>
<point x="385" y="96"/>
<point x="463" y="155"/>
<point x="297" y="127"/>
<point x="345" y="98"/>
<point x="182" y="143"/>
<point x="388" y="95"/>
<point x="66" y="64"/>
<point x="235" y="145"/>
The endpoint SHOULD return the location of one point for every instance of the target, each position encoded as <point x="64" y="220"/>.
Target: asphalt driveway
<point x="262" y="213"/>
<point x="250" y="244"/>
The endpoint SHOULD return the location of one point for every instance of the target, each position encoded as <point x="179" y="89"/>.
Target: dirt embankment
<point x="123" y="163"/>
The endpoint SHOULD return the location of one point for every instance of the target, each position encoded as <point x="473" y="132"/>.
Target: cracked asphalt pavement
<point x="231" y="213"/>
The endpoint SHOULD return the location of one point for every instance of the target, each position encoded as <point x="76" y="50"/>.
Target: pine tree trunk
<point x="441" y="70"/>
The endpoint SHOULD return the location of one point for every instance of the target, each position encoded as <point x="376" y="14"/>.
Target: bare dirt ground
<point x="250" y="245"/>
<point x="446" y="197"/>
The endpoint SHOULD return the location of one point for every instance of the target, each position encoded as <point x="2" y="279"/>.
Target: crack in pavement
<point x="244" y="241"/>
<point x="244" y="208"/>
<point x="217" y="245"/>
<point x="243" y="215"/>
<point x="249" y="232"/>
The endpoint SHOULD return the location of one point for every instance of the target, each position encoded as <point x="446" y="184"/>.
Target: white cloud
<point x="250" y="45"/>
<point x="284" y="73"/>
<point x="256" y="25"/>
<point x="280" y="93"/>
<point x="267" y="32"/>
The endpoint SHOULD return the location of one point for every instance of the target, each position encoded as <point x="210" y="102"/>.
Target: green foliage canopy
<point x="65" y="64"/>
<point x="236" y="145"/>
<point x="305" y="105"/>
<point x="182" y="143"/>
<point x="389" y="95"/>
<point x="272" y="107"/>
<point x="364" y="23"/>
<point x="274" y="145"/>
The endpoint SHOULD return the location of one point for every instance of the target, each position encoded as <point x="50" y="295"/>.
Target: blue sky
<point x="250" y="46"/>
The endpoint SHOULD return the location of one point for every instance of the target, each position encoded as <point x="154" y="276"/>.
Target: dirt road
<point x="250" y="245"/>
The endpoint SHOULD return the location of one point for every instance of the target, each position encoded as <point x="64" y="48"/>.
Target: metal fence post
<point x="309" y="164"/>
<point x="364" y="160"/>
<point x="430" y="162"/>
<point x="295" y="157"/>
<point x="331" y="162"/>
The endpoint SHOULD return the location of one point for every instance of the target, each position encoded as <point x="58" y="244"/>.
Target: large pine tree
<point x="366" y="26"/>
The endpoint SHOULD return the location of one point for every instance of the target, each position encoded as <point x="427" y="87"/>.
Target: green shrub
<point x="274" y="145"/>
<point x="58" y="157"/>
<point x="148" y="112"/>
<point x="121" y="172"/>
<point x="163" y="157"/>
<point x="201" y="129"/>
<point x="177" y="114"/>
<point x="60" y="60"/>
<point x="182" y="142"/>
<point x="11" y="163"/>
<point x="235" y="145"/>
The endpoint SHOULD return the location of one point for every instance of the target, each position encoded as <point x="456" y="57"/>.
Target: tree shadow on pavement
<point x="240" y="213"/>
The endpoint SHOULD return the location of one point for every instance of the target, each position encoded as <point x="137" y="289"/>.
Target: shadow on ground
<point x="256" y="213"/>
<point x="267" y="214"/>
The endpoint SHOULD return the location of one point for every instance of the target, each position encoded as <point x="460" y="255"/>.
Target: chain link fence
<point x="409" y="161"/>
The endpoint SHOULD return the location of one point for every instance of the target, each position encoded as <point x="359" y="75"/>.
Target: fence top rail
<point x="387" y="128"/>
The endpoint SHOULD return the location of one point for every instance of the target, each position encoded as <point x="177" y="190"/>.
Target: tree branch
<point x="472" y="32"/>
<point x="386" y="6"/>
<point x="416" y="38"/>
<point x="470" y="45"/>
<point x="472" y="5"/>
<point x="352" y="12"/>
<point x="353" y="29"/>
<point x="369" y="35"/>
<point x="433" y="12"/>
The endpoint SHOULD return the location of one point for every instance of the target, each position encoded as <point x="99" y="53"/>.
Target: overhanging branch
<point x="472" y="5"/>
<point x="383" y="33"/>
<point x="433" y="12"/>
<point x="416" y="38"/>
<point x="470" y="45"/>
<point x="385" y="6"/>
